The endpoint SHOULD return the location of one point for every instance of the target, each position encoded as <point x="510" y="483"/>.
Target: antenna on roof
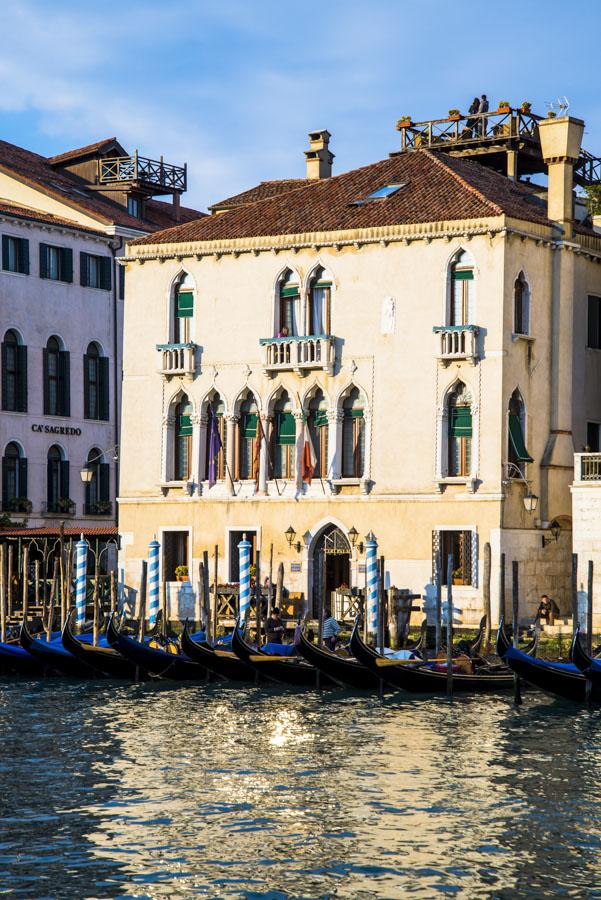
<point x="561" y="105"/>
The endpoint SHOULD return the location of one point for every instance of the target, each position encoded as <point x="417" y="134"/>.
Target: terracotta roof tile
<point x="83" y="151"/>
<point x="266" y="190"/>
<point x="36" y="215"/>
<point x="73" y="191"/>
<point x="436" y="187"/>
<point x="97" y="531"/>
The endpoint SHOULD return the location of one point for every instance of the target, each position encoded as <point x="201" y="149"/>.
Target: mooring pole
<point x="438" y="610"/>
<point x="164" y="608"/>
<point x="95" y="602"/>
<point x="515" y="603"/>
<point x="55" y="587"/>
<point x="143" y="582"/>
<point x="113" y="592"/>
<point x="215" y="585"/>
<point x="486" y="599"/>
<point x="450" y="625"/>
<point x="502" y="610"/>
<point x="270" y="592"/>
<point x="2" y="592"/>
<point x="258" y="597"/>
<point x="589" y="609"/>
<point x="575" y="615"/>
<point x="9" y="581"/>
<point x="25" y="562"/>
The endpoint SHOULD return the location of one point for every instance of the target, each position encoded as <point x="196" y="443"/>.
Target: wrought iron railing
<point x="590" y="466"/>
<point x="154" y="172"/>
<point x="98" y="508"/>
<point x="59" y="508"/>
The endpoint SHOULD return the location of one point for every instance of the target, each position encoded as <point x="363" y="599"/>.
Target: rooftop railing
<point x="152" y="172"/>
<point x="492" y="127"/>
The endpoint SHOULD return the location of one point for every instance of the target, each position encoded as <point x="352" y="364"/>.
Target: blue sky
<point x="233" y="87"/>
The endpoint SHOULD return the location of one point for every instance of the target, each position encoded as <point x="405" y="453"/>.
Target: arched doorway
<point x="331" y="565"/>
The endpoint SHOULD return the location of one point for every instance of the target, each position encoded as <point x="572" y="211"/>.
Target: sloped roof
<point x="266" y="190"/>
<point x="36" y="215"/>
<point x="78" y="152"/>
<point x="72" y="190"/>
<point x="436" y="187"/>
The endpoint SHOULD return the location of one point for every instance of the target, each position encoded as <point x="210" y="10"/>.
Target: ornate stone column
<point x="230" y="423"/>
<point x="167" y="447"/>
<point x="264" y="457"/>
<point x="202" y="448"/>
<point x="334" y="443"/>
<point x="195" y="477"/>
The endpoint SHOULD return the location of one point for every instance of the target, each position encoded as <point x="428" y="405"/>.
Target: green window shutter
<point x="5" y="497"/>
<point x="64" y="491"/>
<point x="66" y="264"/>
<point x="5" y="251"/>
<point x="185" y="304"/>
<point x="103" y="388"/>
<point x="46" y="382"/>
<point x="22" y="463"/>
<point x="516" y="436"/>
<point x="249" y="431"/>
<point x="64" y="383"/>
<point x="21" y="378"/>
<point x="43" y="260"/>
<point x="320" y="418"/>
<point x="121" y="271"/>
<point x="460" y="422"/>
<point x="105" y="265"/>
<point x="4" y="377"/>
<point x="23" y="253"/>
<point x="83" y="269"/>
<point x="290" y="291"/>
<point x="286" y="429"/>
<point x="86" y="386"/>
<point x="322" y="284"/>
<point x="463" y="275"/>
<point x="353" y="413"/>
<point x="104" y="481"/>
<point x="184" y="426"/>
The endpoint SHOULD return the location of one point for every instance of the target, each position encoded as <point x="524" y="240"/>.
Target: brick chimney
<point x="319" y="158"/>
<point x="560" y="141"/>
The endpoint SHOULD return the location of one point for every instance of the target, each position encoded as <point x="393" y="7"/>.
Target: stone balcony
<point x="587" y="468"/>
<point x="456" y="342"/>
<point x="177" y="359"/>
<point x="299" y="354"/>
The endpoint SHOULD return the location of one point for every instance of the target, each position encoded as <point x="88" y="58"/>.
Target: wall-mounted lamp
<point x="86" y="474"/>
<point x="352" y="536"/>
<point x="555" y="532"/>
<point x="529" y="499"/>
<point x="290" y="535"/>
<point x="530" y="502"/>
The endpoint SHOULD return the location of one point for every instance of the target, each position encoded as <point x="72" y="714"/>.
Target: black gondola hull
<point x="15" y="660"/>
<point x="105" y="660"/>
<point x="291" y="671"/>
<point x="54" y="657"/>
<point x="159" y="663"/>
<point x="224" y="665"/>
<point x="346" y="672"/>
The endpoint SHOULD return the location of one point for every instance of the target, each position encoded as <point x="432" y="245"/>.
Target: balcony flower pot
<point x="504" y="107"/>
<point x="526" y="107"/>
<point x="21" y="505"/>
<point x="404" y="122"/>
<point x="181" y="573"/>
<point x="454" y="115"/>
<point x="65" y="505"/>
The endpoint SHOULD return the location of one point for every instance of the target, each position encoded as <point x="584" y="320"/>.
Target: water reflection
<point x="154" y="791"/>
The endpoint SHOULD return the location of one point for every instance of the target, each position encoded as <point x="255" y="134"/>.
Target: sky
<point x="233" y="87"/>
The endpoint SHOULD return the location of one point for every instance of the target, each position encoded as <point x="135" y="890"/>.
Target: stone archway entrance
<point x="331" y="565"/>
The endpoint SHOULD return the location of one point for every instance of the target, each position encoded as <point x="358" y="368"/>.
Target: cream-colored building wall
<point x="23" y="195"/>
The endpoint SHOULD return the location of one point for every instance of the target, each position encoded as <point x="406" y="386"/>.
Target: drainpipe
<point x="115" y="246"/>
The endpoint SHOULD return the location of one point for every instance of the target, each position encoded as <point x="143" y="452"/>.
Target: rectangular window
<point x="133" y="207"/>
<point x="284" y="456"/>
<point x="353" y="445"/>
<point x="95" y="271"/>
<point x="247" y="443"/>
<point x="462" y="297"/>
<point x="460" y="441"/>
<point x="461" y="546"/>
<point x="594" y="323"/>
<point x="593" y="436"/>
<point x="235" y="538"/>
<point x="121" y="275"/>
<point x="15" y="254"/>
<point x="56" y="263"/>
<point x="175" y="552"/>
<point x="222" y="453"/>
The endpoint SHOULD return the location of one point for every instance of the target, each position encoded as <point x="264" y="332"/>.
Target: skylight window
<point x="381" y="193"/>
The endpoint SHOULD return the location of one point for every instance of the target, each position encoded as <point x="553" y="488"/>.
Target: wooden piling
<point x="394" y="614"/>
<point x="216" y="585"/>
<point x="515" y="615"/>
<point x="204" y="612"/>
<point x="575" y="615"/>
<point x="450" y="625"/>
<point x="95" y="603"/>
<point x="25" y="564"/>
<point x="258" y="596"/>
<point x="113" y="589"/>
<point x="321" y="600"/>
<point x="49" y="610"/>
<point x="502" y="610"/>
<point x="9" y="581"/>
<point x="381" y="603"/>
<point x="589" y="609"/>
<point x="66" y="596"/>
<point x="486" y="599"/>
<point x="36" y="578"/>
<point x="164" y="611"/>
<point x="279" y="590"/>
<point x="143" y="583"/>
<point x="2" y="592"/>
<point x="270" y="591"/>
<point x="438" y="610"/>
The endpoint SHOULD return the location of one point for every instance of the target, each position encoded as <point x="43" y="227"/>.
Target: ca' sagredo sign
<point x="41" y="428"/>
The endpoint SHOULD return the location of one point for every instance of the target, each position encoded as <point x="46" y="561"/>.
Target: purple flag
<point x="215" y="446"/>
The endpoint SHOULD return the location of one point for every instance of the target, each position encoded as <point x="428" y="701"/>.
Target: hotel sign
<point x="55" y="429"/>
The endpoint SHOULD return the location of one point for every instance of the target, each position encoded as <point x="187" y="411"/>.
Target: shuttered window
<point x="96" y="384"/>
<point x="56" y="263"/>
<point x="459" y="414"/>
<point x="184" y="311"/>
<point x="57" y="396"/>
<point x="57" y="479"/>
<point x="95" y="271"/>
<point x="516" y="441"/>
<point x="218" y="411"/>
<point x="284" y="440"/>
<point x="353" y="436"/>
<point x="594" y="323"/>
<point x="183" y="440"/>
<point x="247" y="438"/>
<point x="15" y="254"/>
<point x="14" y="479"/>
<point x="14" y="374"/>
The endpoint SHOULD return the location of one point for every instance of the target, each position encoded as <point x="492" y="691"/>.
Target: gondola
<point x="157" y="662"/>
<point x="559" y="679"/>
<point x="52" y="655"/>
<point x="347" y="671"/>
<point x="419" y="678"/>
<point x="103" y="658"/>
<point x="15" y="660"/>
<point x="281" y="669"/>
<point x="223" y="663"/>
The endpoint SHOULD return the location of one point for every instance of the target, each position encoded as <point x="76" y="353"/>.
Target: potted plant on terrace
<point x="181" y="573"/>
<point x="526" y="106"/>
<point x="102" y="507"/>
<point x="403" y="122"/>
<point x="65" y="505"/>
<point x="458" y="576"/>
<point x="20" y="504"/>
<point x="454" y="115"/>
<point x="551" y="114"/>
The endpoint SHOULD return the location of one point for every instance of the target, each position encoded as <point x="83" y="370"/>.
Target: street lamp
<point x="352" y="536"/>
<point x="555" y="530"/>
<point x="87" y="472"/>
<point x="290" y="534"/>
<point x="529" y="500"/>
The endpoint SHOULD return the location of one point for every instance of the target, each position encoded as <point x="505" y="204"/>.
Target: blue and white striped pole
<point x="81" y="571"/>
<point x="371" y="568"/>
<point x="153" y="582"/>
<point x="244" y="548"/>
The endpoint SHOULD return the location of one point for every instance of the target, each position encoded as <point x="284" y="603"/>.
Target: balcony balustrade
<point x="177" y="359"/>
<point x="153" y="173"/>
<point x="59" y="508"/>
<point x="299" y="354"/>
<point x="457" y="342"/>
<point x="588" y="467"/>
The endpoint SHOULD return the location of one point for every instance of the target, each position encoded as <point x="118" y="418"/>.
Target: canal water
<point x="156" y="791"/>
